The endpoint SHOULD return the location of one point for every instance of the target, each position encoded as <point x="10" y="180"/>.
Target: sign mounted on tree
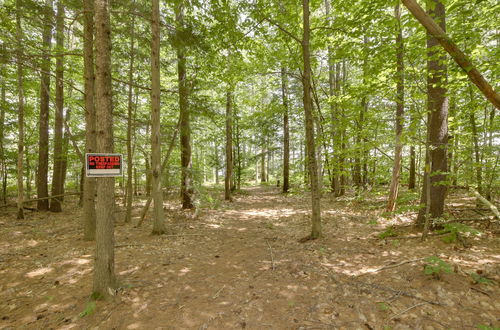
<point x="103" y="165"/>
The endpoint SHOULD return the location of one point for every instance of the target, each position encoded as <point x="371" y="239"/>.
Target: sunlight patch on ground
<point x="136" y="325"/>
<point x="39" y="272"/>
<point x="32" y="243"/>
<point x="184" y="271"/>
<point x="128" y="271"/>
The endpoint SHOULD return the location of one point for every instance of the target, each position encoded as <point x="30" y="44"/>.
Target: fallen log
<point x="486" y="202"/>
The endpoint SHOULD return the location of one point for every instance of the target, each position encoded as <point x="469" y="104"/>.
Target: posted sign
<point x="102" y="165"/>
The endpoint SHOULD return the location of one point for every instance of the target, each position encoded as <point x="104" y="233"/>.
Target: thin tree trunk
<point x="128" y="214"/>
<point x="3" y="108"/>
<point x="263" y="175"/>
<point x="185" y="129"/>
<point x="229" y="145"/>
<point x="477" y="163"/>
<point x="89" y="184"/>
<point x="437" y="121"/>
<point x="55" y="204"/>
<point x="286" y="132"/>
<point x="104" y="267"/>
<point x="400" y="94"/>
<point x="158" y="217"/>
<point x="437" y="30"/>
<point x="20" y="111"/>
<point x="309" y="123"/>
<point x="43" y="138"/>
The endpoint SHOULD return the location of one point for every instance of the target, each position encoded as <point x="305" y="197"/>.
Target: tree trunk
<point x="229" y="145"/>
<point x="104" y="267"/>
<point x="128" y="214"/>
<point x="400" y="94"/>
<point x="3" y="108"/>
<point x="309" y="123"/>
<point x="158" y="217"/>
<point x="286" y="132"/>
<point x="43" y="138"/>
<point x="477" y="163"/>
<point x="89" y="185"/>
<point x="437" y="31"/>
<point x="263" y="175"/>
<point x="20" y="111"/>
<point x="185" y="129"/>
<point x="55" y="204"/>
<point x="437" y="103"/>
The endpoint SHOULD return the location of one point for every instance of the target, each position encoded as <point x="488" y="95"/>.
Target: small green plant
<point x="50" y="298"/>
<point x="89" y="309"/>
<point x="373" y="222"/>
<point x="389" y="232"/>
<point x="454" y="229"/>
<point x="383" y="306"/>
<point x="270" y="225"/>
<point x="486" y="327"/>
<point x="479" y="279"/>
<point x="435" y="266"/>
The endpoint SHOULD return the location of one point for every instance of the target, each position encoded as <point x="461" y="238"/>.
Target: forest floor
<point x="239" y="265"/>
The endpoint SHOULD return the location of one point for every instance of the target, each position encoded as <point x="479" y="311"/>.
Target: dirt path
<point x="240" y="266"/>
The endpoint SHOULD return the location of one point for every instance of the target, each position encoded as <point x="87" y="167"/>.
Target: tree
<point x="57" y="176"/>
<point x="89" y="188"/>
<point x="185" y="128"/>
<point x="104" y="268"/>
<point x="286" y="132"/>
<point x="309" y="123"/>
<point x="20" y="111"/>
<point x="229" y="146"/>
<point x="158" y="222"/>
<point x="434" y="187"/>
<point x="398" y="149"/>
<point x="43" y="137"/>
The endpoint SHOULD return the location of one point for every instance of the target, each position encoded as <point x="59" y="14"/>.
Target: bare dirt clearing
<point x="240" y="266"/>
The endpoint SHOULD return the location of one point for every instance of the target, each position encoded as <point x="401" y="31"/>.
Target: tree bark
<point x="309" y="123"/>
<point x="20" y="111"/>
<point x="400" y="94"/>
<point x="43" y="129"/>
<point x="229" y="146"/>
<point x="3" y="108"/>
<point x="128" y="214"/>
<point x="437" y="127"/>
<point x="104" y="268"/>
<point x="477" y="163"/>
<point x="185" y="129"/>
<point x="286" y="132"/>
<point x="55" y="204"/>
<point x="158" y="217"/>
<point x="89" y="184"/>
<point x="438" y="32"/>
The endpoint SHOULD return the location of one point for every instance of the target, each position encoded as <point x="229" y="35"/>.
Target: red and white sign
<point x="102" y="165"/>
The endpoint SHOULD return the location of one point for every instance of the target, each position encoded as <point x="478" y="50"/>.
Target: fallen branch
<point x="486" y="202"/>
<point x="51" y="197"/>
<point x="398" y="292"/>
<point x="406" y="310"/>
<point x="218" y="292"/>
<point x="392" y="266"/>
<point x="272" y="257"/>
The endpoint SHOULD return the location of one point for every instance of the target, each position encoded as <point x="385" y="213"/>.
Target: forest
<point x="276" y="164"/>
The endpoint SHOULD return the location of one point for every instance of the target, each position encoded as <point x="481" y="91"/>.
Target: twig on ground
<point x="406" y="310"/>
<point x="272" y="257"/>
<point x="399" y="292"/>
<point x="391" y="266"/>
<point x="218" y="292"/>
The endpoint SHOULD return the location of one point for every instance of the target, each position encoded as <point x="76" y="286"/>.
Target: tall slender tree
<point x="437" y="122"/>
<point x="20" y="110"/>
<point x="158" y="221"/>
<point x="229" y="145"/>
<point x="104" y="267"/>
<point x="43" y="129"/>
<point x="185" y="128"/>
<point x="57" y="175"/>
<point x="286" y="132"/>
<point x="130" y="106"/>
<point x="309" y="123"/>
<point x="89" y="188"/>
<point x="400" y="94"/>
